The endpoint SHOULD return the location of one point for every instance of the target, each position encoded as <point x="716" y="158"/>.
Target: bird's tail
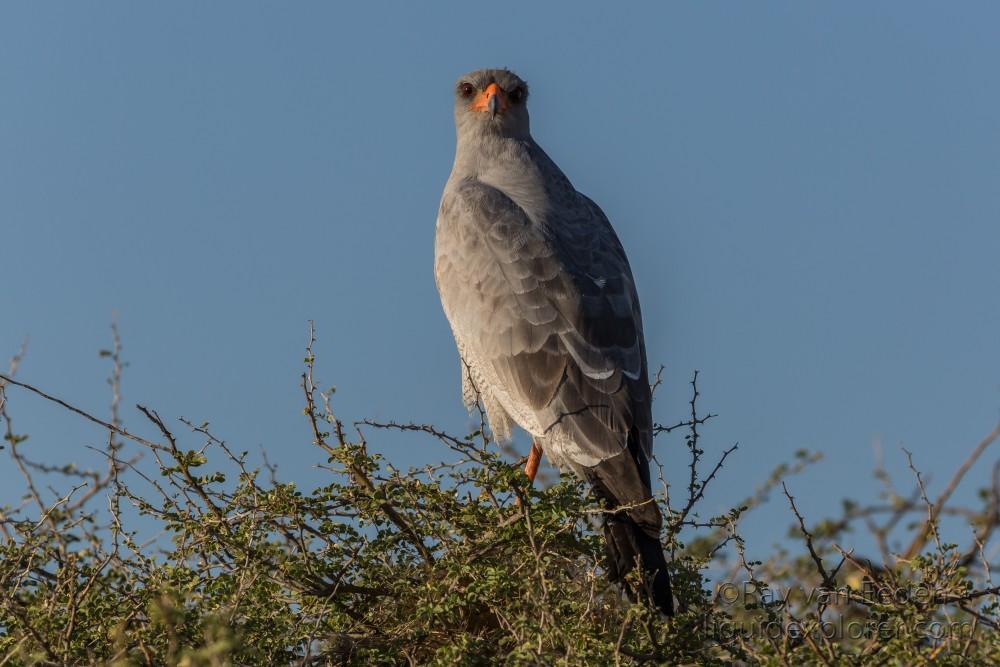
<point x="628" y="544"/>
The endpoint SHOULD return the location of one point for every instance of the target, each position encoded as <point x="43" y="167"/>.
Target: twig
<point x="100" y="422"/>
<point x="827" y="579"/>
<point x="358" y="474"/>
<point x="920" y="539"/>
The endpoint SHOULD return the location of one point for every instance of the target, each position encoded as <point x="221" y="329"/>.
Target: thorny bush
<point x="462" y="562"/>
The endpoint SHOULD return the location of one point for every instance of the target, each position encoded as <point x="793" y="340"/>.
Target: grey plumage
<point x="545" y="314"/>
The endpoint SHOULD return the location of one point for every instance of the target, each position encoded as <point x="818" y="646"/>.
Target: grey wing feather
<point x="553" y="308"/>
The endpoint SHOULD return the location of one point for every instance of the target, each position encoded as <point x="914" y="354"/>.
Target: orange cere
<point x="482" y="100"/>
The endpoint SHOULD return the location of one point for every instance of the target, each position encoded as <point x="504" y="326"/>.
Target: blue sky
<point x="810" y="197"/>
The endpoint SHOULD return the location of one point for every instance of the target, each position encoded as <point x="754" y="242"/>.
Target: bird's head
<point x="491" y="101"/>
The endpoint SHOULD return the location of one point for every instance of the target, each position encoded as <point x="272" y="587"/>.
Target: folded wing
<point x="553" y="308"/>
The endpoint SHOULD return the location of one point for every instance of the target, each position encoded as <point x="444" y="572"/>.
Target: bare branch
<point x="928" y="528"/>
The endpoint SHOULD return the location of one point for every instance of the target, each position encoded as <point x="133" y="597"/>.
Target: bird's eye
<point x="466" y="90"/>
<point x="516" y="96"/>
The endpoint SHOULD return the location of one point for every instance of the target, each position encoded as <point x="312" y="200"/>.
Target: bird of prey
<point x="545" y="314"/>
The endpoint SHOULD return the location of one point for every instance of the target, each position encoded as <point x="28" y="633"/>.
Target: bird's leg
<point x="534" y="458"/>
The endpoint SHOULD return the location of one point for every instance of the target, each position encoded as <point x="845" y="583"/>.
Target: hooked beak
<point x="493" y="100"/>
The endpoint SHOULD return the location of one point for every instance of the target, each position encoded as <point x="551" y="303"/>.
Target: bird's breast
<point x="524" y="185"/>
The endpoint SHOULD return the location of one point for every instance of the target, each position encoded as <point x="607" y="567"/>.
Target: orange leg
<point x="534" y="458"/>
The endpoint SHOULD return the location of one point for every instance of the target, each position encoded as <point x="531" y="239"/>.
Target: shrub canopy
<point x="461" y="562"/>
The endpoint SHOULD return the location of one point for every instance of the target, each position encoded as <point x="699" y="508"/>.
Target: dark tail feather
<point x="628" y="544"/>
